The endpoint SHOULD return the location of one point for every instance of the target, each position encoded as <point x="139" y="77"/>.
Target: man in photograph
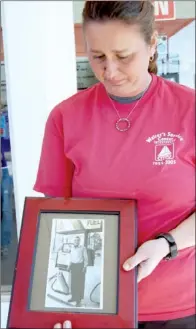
<point x="78" y="265"/>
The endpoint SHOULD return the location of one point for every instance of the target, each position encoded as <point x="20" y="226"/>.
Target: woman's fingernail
<point x="57" y="325"/>
<point x="126" y="266"/>
<point x="67" y="324"/>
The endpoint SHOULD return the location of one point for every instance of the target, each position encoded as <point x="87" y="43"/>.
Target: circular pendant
<point x="123" y="124"/>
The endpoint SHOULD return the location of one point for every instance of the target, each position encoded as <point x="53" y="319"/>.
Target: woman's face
<point x="119" y="56"/>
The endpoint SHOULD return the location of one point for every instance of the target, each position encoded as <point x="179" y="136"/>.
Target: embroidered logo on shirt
<point x="164" y="148"/>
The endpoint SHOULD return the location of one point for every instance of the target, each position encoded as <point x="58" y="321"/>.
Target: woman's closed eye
<point x="117" y="56"/>
<point x="122" y="57"/>
<point x="99" y="57"/>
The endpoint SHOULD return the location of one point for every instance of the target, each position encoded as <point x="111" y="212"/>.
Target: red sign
<point x="164" y="10"/>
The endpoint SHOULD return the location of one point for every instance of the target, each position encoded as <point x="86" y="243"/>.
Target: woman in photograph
<point x="131" y="136"/>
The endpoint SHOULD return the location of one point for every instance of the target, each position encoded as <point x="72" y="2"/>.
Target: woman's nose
<point x="111" y="70"/>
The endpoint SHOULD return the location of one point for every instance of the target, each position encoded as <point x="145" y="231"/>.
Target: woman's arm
<point x="151" y="252"/>
<point x="184" y="234"/>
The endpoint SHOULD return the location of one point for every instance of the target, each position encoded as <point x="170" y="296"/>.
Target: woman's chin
<point x="121" y="90"/>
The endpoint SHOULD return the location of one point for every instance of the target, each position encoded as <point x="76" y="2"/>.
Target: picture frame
<point x="69" y="264"/>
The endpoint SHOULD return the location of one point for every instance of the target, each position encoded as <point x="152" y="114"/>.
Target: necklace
<point x="123" y="124"/>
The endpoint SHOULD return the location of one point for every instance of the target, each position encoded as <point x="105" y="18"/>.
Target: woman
<point x="132" y="136"/>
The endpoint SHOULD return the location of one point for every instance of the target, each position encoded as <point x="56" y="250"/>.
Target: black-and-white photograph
<point x="75" y="267"/>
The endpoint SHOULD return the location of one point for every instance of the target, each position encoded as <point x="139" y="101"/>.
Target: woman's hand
<point x="148" y="256"/>
<point x="66" y="324"/>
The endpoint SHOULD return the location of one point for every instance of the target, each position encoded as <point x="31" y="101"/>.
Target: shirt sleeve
<point x="55" y="170"/>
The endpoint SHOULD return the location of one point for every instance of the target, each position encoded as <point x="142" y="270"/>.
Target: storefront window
<point x="8" y="218"/>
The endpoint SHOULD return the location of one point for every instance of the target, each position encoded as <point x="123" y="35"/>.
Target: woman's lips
<point x="116" y="82"/>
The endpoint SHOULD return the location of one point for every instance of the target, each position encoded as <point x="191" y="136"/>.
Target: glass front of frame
<point x="76" y="263"/>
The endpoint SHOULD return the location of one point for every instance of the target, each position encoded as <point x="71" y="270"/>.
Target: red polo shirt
<point x="153" y="162"/>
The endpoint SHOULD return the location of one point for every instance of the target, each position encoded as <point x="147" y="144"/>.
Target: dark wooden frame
<point x="126" y="317"/>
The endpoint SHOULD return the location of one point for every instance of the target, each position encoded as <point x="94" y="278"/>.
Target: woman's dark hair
<point x="129" y="12"/>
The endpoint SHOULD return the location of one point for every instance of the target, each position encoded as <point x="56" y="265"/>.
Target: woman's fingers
<point x="57" y="325"/>
<point x="132" y="262"/>
<point x="66" y="324"/>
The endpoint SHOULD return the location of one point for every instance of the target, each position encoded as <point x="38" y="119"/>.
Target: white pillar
<point x="40" y="64"/>
<point x="5" y="303"/>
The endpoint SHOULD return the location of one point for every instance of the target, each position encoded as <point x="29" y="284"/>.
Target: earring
<point x="151" y="58"/>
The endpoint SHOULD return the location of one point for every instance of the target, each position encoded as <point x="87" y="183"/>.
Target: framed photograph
<point x="69" y="264"/>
